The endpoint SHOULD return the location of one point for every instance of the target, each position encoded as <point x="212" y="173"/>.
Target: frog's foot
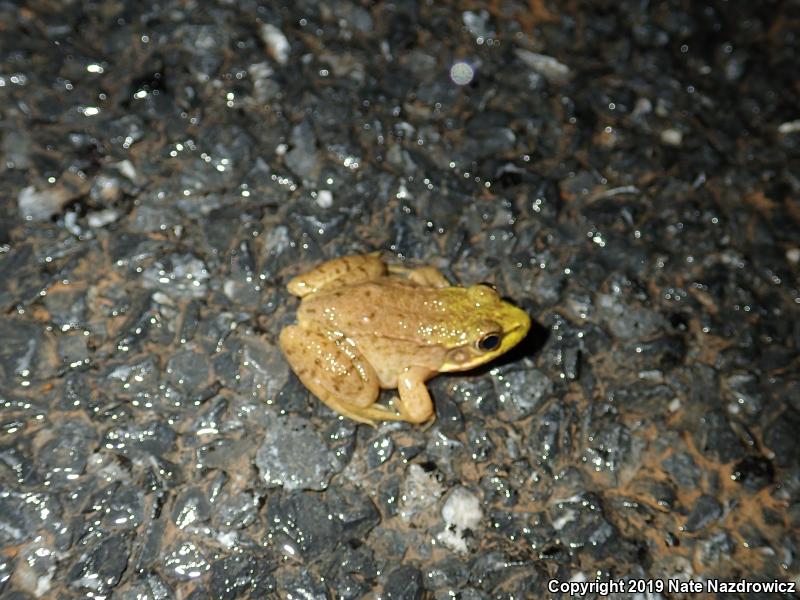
<point x="337" y="272"/>
<point x="427" y="276"/>
<point x="415" y="404"/>
<point x="335" y="373"/>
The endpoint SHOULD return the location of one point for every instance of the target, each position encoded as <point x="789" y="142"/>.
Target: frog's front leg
<point x="339" y="271"/>
<point x="336" y="373"/>
<point x="415" y="404"/>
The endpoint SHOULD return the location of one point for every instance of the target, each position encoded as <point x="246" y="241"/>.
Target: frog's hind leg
<point x="346" y="270"/>
<point x="427" y="276"/>
<point x="336" y="373"/>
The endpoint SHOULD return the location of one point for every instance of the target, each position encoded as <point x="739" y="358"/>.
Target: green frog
<point x="363" y="325"/>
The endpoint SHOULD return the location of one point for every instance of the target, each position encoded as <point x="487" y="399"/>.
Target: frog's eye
<point x="489" y="342"/>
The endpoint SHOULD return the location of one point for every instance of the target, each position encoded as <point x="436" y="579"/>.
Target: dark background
<point x="625" y="171"/>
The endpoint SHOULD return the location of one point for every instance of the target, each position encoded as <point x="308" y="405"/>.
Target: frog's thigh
<point x="415" y="403"/>
<point x="342" y="380"/>
<point x="327" y="369"/>
<point x="427" y="276"/>
<point x="339" y="271"/>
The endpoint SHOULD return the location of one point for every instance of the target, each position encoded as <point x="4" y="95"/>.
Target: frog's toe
<point x="426" y="276"/>
<point x="373" y="415"/>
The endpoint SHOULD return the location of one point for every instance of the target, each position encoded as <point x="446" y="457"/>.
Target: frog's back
<point x="388" y="307"/>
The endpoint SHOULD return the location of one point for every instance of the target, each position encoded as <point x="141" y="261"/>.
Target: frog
<point x="364" y="325"/>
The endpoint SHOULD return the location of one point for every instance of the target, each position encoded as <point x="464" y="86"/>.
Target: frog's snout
<point x="518" y="333"/>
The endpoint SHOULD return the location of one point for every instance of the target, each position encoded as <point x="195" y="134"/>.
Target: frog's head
<point x="489" y="327"/>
